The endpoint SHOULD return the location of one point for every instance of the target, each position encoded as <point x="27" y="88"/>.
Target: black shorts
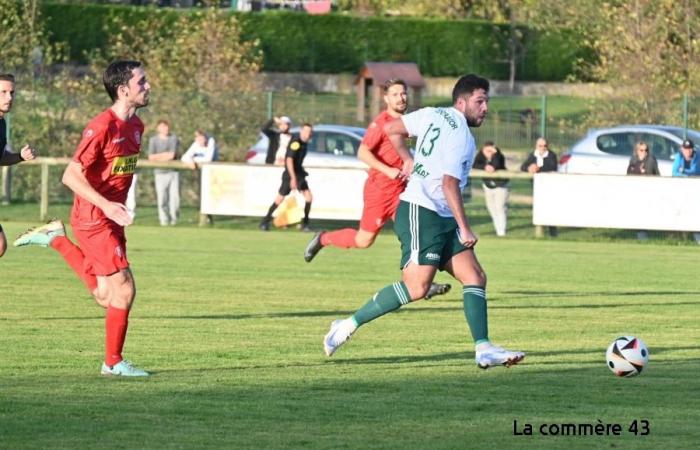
<point x="285" y="187"/>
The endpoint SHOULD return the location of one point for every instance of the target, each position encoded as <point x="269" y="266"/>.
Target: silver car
<point x="607" y="151"/>
<point x="330" y="146"/>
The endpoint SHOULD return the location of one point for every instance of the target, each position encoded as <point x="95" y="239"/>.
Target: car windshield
<point x="691" y="134"/>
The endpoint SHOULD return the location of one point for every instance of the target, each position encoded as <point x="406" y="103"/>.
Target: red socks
<point x="344" y="238"/>
<point x="75" y="259"/>
<point x="116" y="323"/>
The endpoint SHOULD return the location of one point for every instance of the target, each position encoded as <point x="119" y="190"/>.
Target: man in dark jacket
<point x="541" y="160"/>
<point x="279" y="138"/>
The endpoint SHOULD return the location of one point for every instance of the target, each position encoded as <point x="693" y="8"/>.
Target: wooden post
<point x="44" y="208"/>
<point x="6" y="185"/>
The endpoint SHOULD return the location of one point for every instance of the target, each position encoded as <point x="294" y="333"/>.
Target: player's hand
<point x="118" y="213"/>
<point x="393" y="173"/>
<point x="293" y="184"/>
<point x="27" y="153"/>
<point x="532" y="168"/>
<point x="407" y="169"/>
<point x="467" y="237"/>
<point x="489" y="169"/>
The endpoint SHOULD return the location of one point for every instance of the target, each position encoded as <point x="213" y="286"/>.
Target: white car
<point x="330" y="146"/>
<point x="607" y="151"/>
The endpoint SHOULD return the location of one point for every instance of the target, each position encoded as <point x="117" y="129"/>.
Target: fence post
<point x="6" y="172"/>
<point x="44" y="206"/>
<point x="6" y="185"/>
<point x="269" y="105"/>
<point x="543" y="118"/>
<point x="685" y="116"/>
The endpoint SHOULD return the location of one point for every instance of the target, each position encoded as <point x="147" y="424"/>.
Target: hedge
<point x="336" y="43"/>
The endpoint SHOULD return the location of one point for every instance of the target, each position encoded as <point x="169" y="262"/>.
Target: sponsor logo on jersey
<point x="295" y="146"/>
<point x="118" y="140"/>
<point x="448" y="118"/>
<point x="432" y="256"/>
<point x="124" y="165"/>
<point x="89" y="133"/>
<point x="419" y="169"/>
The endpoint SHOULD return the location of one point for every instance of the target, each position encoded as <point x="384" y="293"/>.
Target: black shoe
<point x="264" y="226"/>
<point x="437" y="289"/>
<point x="313" y="247"/>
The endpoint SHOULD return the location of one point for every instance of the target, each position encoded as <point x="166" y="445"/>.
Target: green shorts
<point x="427" y="239"/>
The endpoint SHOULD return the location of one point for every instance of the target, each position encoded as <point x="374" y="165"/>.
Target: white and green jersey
<point x="444" y="146"/>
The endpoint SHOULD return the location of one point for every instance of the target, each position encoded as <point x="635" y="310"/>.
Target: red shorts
<point x="380" y="205"/>
<point x="104" y="247"/>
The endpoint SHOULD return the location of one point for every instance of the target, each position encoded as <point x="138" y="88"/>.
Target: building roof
<point x="380" y="72"/>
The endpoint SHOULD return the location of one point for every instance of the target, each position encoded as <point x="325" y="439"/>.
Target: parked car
<point x="607" y="151"/>
<point x="330" y="146"/>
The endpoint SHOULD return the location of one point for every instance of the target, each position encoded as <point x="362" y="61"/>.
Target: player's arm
<point x="366" y="155"/>
<point x="8" y="158"/>
<point x="74" y="178"/>
<point x="397" y="133"/>
<point x="161" y="157"/>
<point x="453" y="195"/>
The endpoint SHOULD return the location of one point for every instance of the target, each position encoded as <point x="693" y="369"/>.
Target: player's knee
<point x="363" y="242"/>
<point x="417" y="289"/>
<point x="477" y="278"/>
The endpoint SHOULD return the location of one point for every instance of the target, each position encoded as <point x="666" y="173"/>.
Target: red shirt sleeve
<point x="91" y="144"/>
<point x="373" y="136"/>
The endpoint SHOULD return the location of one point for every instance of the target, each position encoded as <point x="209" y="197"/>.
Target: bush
<point x="335" y="43"/>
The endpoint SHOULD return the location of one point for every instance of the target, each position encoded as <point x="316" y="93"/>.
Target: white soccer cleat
<point x="494" y="355"/>
<point x="42" y="235"/>
<point x="123" y="368"/>
<point x="339" y="333"/>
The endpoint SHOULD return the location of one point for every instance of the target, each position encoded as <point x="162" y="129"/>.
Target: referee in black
<point x="294" y="177"/>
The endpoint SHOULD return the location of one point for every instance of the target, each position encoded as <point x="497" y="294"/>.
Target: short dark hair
<point x="7" y="77"/>
<point x="162" y="121"/>
<point x="392" y="82"/>
<point x="118" y="73"/>
<point x="468" y="84"/>
<point x="307" y="124"/>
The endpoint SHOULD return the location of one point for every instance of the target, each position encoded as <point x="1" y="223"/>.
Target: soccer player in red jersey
<point x="99" y="175"/>
<point x="386" y="181"/>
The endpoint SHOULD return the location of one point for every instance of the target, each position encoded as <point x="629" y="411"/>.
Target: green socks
<point x="475" y="312"/>
<point x="386" y="300"/>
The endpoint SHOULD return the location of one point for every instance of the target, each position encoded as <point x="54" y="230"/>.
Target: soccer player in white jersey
<point x="431" y="223"/>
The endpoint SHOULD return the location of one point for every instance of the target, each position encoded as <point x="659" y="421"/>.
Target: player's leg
<point x="53" y="234"/>
<point x="283" y="191"/>
<point x="174" y="197"/>
<point x="308" y="198"/>
<point x="376" y="210"/>
<point x="418" y="269"/>
<point x="464" y="266"/>
<point x="162" y="198"/>
<point x="3" y="241"/>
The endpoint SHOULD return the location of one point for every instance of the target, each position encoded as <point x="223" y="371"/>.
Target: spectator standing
<point x="642" y="162"/>
<point x="202" y="150"/>
<point x="279" y="138"/>
<point x="542" y="159"/>
<point x="496" y="192"/>
<point x="687" y="164"/>
<point x="163" y="147"/>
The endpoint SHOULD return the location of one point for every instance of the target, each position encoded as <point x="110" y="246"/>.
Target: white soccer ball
<point x="627" y="356"/>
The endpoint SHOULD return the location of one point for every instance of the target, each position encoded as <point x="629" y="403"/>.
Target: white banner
<point x="248" y="190"/>
<point x="611" y="201"/>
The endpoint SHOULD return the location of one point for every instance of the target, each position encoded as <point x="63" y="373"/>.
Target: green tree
<point x="203" y="75"/>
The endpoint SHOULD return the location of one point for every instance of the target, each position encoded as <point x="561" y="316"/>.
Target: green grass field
<point x="230" y="321"/>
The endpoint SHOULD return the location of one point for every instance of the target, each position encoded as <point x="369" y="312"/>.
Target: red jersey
<point x="379" y="144"/>
<point x="108" y="152"/>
